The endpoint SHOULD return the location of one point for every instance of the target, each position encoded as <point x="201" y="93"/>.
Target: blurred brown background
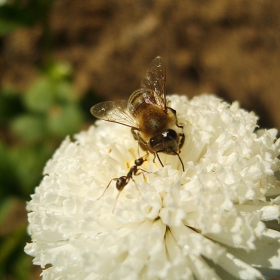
<point x="230" y="48"/>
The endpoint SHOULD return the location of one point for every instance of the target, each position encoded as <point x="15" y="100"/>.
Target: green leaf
<point x="28" y="127"/>
<point x="24" y="268"/>
<point x="60" y="71"/>
<point x="10" y="104"/>
<point x="40" y="97"/>
<point x="65" y="120"/>
<point x="28" y="164"/>
<point x="8" y="178"/>
<point x="64" y="93"/>
<point x="6" y="207"/>
<point x="9" y="249"/>
<point x="7" y="26"/>
<point x="13" y="16"/>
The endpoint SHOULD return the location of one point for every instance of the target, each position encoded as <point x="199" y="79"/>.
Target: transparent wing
<point x="155" y="79"/>
<point x="114" y="111"/>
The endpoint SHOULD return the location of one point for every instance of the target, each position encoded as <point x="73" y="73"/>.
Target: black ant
<point x="122" y="181"/>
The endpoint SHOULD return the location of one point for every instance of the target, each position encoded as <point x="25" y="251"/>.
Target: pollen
<point x="127" y="164"/>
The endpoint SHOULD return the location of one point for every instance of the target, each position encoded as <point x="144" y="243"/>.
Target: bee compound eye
<point x="156" y="142"/>
<point x="170" y="133"/>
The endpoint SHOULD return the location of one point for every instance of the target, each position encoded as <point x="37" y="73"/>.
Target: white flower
<point x="210" y="222"/>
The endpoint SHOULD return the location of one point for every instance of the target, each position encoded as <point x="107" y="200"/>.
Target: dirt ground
<point x="230" y="48"/>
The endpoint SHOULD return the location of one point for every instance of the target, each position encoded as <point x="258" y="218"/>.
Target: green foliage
<point x="33" y="124"/>
<point x="10" y="105"/>
<point x="13" y="236"/>
<point x="18" y="13"/>
<point x="28" y="127"/>
<point x="49" y="111"/>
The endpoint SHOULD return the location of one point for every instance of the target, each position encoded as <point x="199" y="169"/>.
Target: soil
<point x="230" y="48"/>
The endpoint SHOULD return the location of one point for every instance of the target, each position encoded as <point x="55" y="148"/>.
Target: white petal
<point x="204" y="223"/>
<point x="238" y="268"/>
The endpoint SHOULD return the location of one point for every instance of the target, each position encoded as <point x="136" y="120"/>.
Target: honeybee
<point x="153" y="124"/>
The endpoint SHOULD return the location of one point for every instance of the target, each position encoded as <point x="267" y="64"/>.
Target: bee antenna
<point x="180" y="160"/>
<point x="159" y="160"/>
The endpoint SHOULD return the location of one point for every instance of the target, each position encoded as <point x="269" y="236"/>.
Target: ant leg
<point x="143" y="174"/>
<point x="141" y="169"/>
<point x="137" y="186"/>
<point x="137" y="174"/>
<point x="116" y="202"/>
<point x="114" y="179"/>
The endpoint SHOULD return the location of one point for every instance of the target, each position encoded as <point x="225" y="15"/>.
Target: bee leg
<point x="142" y="143"/>
<point x="134" y="134"/>
<point x="179" y="125"/>
<point x="175" y="114"/>
<point x="144" y="158"/>
<point x="138" y="149"/>
<point x="182" y="141"/>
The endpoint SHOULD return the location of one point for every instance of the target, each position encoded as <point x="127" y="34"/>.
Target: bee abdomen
<point x="139" y="99"/>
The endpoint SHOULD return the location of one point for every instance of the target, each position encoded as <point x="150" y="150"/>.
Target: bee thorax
<point x="153" y="121"/>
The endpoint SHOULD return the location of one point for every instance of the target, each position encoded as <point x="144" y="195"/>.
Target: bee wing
<point x="155" y="79"/>
<point x="114" y="111"/>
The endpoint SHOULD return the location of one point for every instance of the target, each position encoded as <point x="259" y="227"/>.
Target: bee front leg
<point x="182" y="141"/>
<point x="142" y="143"/>
<point x="135" y="134"/>
<point x="175" y="115"/>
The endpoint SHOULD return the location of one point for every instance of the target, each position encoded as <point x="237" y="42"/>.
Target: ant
<point x="122" y="181"/>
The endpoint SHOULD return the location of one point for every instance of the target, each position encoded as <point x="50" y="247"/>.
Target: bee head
<point x="166" y="142"/>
